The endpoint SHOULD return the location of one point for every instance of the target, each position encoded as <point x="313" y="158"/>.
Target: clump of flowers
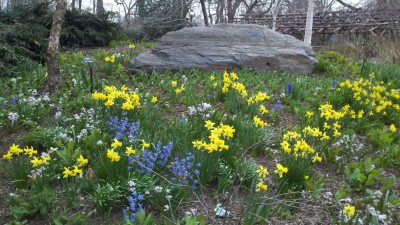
<point x="216" y="141"/>
<point x="203" y="109"/>
<point x="262" y="173"/>
<point x="131" y="99"/>
<point x="135" y="205"/>
<point x="122" y="127"/>
<point x="77" y="169"/>
<point x="184" y="172"/>
<point x="111" y="154"/>
<point x="15" y="150"/>
<point x="110" y="58"/>
<point x="148" y="161"/>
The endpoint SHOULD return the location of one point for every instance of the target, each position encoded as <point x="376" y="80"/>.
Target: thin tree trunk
<point x="100" y="8"/>
<point x="221" y="11"/>
<point x="209" y="12"/>
<point x="309" y="22"/>
<point x="73" y="4"/>
<point x="204" y="10"/>
<point x="53" y="80"/>
<point x="80" y="5"/>
<point x="94" y="6"/>
<point x="230" y="13"/>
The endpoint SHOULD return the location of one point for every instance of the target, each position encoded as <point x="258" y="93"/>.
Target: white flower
<point x="58" y="115"/>
<point x="74" y="81"/>
<point x="158" y="189"/>
<point x="99" y="142"/>
<point x="34" y="92"/>
<point x="13" y="116"/>
<point x="46" y="98"/>
<point x="77" y="117"/>
<point x="168" y="197"/>
<point x="131" y="183"/>
<point x="166" y="208"/>
<point x="191" y="110"/>
<point x="168" y="191"/>
<point x="184" y="78"/>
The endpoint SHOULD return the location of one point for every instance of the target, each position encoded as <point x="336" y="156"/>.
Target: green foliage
<point x="333" y="63"/>
<point x="106" y="196"/>
<point x="362" y="175"/>
<point x="24" y="32"/>
<point x="23" y="36"/>
<point x="29" y="203"/>
<point x="84" y="29"/>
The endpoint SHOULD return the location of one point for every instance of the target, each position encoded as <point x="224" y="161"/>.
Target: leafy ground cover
<point x="197" y="148"/>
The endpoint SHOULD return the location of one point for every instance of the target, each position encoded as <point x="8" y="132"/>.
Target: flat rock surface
<point x="227" y="47"/>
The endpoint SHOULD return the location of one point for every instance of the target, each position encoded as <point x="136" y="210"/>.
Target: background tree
<point x="100" y="8"/>
<point x="53" y="80"/>
<point x="309" y="22"/>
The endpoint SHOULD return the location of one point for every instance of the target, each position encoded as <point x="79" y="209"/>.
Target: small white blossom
<point x="166" y="207"/>
<point x="99" y="142"/>
<point x="13" y="116"/>
<point x="158" y="189"/>
<point x="58" y="115"/>
<point x="168" y="197"/>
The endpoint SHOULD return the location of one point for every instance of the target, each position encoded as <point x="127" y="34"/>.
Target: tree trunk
<point x="204" y="10"/>
<point x="309" y="22"/>
<point x="94" y="6"/>
<point x="209" y="12"/>
<point x="230" y="13"/>
<point x="221" y="11"/>
<point x="73" y="4"/>
<point x="100" y="8"/>
<point x="80" y="5"/>
<point x="53" y="80"/>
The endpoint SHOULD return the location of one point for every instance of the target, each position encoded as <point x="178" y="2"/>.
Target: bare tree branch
<point x="347" y="5"/>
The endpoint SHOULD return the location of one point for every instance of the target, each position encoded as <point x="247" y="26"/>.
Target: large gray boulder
<point x="227" y="47"/>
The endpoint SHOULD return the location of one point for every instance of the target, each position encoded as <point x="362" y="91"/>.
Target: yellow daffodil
<point x="317" y="158"/>
<point x="154" y="99"/>
<point x="16" y="150"/>
<point x="212" y="77"/>
<point x="82" y="161"/>
<point x="263" y="110"/>
<point x="130" y="151"/>
<point x="77" y="170"/>
<point x="68" y="172"/>
<point x="30" y="151"/>
<point x="258" y="122"/>
<point x="132" y="46"/>
<point x="261" y="97"/>
<point x="145" y="145"/>
<point x="349" y="210"/>
<point x="8" y="156"/>
<point x="281" y="170"/>
<point x="113" y="155"/>
<point x="116" y="144"/>
<point x="209" y="125"/>
<point x="215" y="85"/>
<point x="174" y="83"/>
<point x="262" y="171"/>
<point x="392" y="128"/>
<point x="309" y="114"/>
<point x="261" y="186"/>
<point x="45" y="159"/>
